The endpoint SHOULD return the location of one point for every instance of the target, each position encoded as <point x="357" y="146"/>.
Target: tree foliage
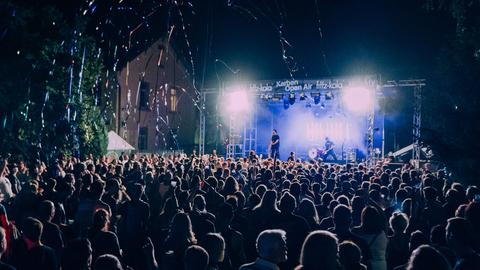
<point x="52" y="79"/>
<point x="452" y="99"/>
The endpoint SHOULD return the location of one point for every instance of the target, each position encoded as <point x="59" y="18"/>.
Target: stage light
<point x="328" y="96"/>
<point x="316" y="97"/>
<point x="237" y="101"/>
<point x="358" y="99"/>
<point x="265" y="97"/>
<point x="277" y="97"/>
<point x="291" y="98"/>
<point x="286" y="101"/>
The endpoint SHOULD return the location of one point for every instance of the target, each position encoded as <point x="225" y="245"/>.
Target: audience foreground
<point x="198" y="213"/>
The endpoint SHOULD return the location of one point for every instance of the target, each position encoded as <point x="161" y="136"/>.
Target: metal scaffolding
<point x="242" y="135"/>
<point x="201" y="139"/>
<point x="370" y="135"/>
<point x="235" y="130"/>
<point x="250" y="134"/>
<point x="417" y="122"/>
<point x="417" y="85"/>
<point x="202" y="117"/>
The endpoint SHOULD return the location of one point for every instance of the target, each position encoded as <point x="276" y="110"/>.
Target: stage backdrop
<point x="302" y="127"/>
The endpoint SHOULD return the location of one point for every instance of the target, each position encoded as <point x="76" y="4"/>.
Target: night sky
<point x="396" y="39"/>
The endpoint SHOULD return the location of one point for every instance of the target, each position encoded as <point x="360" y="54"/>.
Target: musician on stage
<point x="329" y="151"/>
<point x="275" y="145"/>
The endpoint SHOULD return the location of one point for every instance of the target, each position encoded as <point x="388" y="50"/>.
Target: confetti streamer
<point x="80" y="76"/>
<point x="188" y="46"/>
<point x="320" y="32"/>
<point x="45" y="100"/>
<point x="70" y="84"/>
<point x="121" y="42"/>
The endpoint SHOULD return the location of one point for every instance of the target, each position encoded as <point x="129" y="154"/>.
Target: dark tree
<point x="51" y="76"/>
<point x="452" y="100"/>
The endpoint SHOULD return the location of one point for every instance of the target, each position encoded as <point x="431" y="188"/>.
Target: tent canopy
<point x="116" y="143"/>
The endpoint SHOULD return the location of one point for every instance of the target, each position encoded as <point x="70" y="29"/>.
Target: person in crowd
<point x="14" y="181"/>
<point x="203" y="221"/>
<point x="439" y="242"/>
<point x="342" y="219"/>
<point x="51" y="236"/>
<point x="89" y="205"/>
<point x="296" y="229"/>
<point x="214" y="244"/>
<point x="350" y="256"/>
<point x="472" y="214"/>
<point x="397" y="252"/>
<point x="319" y="252"/>
<point x="29" y="252"/>
<point x="107" y="262"/>
<point x="307" y="210"/>
<point x="158" y="206"/>
<point x="77" y="255"/>
<point x="102" y="240"/>
<point x="234" y="240"/>
<point x="459" y="237"/>
<point x="327" y="222"/>
<point x="5" y="186"/>
<point x="358" y="203"/>
<point x="427" y="257"/>
<point x="196" y="258"/>
<point x="23" y="173"/>
<point x="417" y="238"/>
<point x="179" y="238"/>
<point x="372" y="230"/>
<point x="433" y="212"/>
<point x="271" y="249"/>
<point x="264" y="216"/>
<point x="291" y="157"/>
<point x="3" y="249"/>
<point x="135" y="215"/>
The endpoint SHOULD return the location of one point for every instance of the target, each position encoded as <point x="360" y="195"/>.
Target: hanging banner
<point x="311" y="85"/>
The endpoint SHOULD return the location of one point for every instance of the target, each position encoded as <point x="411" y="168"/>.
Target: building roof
<point x="116" y="143"/>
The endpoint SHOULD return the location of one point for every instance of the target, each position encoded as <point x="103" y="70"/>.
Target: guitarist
<point x="329" y="149"/>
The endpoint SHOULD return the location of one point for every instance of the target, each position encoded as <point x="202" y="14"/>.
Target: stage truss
<point x="417" y="85"/>
<point x="238" y="147"/>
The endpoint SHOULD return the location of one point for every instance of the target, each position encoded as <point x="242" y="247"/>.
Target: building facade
<point x="156" y="102"/>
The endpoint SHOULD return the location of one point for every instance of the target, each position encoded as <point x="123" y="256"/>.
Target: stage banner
<point x="335" y="83"/>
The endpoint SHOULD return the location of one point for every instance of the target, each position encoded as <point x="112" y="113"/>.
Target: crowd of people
<point x="198" y="213"/>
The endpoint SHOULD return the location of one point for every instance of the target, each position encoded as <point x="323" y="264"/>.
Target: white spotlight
<point x="237" y="101"/>
<point x="358" y="99"/>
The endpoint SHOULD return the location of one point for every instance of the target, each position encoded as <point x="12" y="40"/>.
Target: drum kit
<point x="316" y="152"/>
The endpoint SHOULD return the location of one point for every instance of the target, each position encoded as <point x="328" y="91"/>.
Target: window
<point x="144" y="95"/>
<point x="173" y="100"/>
<point x="143" y="138"/>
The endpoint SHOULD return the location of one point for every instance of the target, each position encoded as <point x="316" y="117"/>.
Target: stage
<point x="348" y="110"/>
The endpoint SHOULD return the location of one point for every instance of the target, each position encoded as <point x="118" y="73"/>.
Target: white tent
<point x="116" y="143"/>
